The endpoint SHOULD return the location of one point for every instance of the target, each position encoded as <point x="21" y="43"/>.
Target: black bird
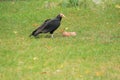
<point x="49" y="25"/>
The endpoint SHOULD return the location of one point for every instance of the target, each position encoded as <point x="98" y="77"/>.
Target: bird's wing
<point x="51" y="25"/>
<point x="39" y="29"/>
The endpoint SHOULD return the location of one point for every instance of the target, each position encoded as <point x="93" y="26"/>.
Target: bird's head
<point x="62" y="15"/>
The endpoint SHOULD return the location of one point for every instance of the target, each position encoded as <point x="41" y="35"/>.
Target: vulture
<point x="49" y="26"/>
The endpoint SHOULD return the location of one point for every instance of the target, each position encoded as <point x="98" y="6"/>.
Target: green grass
<point x="94" y="54"/>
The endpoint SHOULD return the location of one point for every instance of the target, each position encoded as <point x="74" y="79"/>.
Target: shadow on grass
<point x="47" y="36"/>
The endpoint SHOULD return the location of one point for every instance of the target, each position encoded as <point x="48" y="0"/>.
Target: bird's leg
<point x="51" y="35"/>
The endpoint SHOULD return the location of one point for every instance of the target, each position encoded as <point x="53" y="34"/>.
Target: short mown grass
<point x="94" y="54"/>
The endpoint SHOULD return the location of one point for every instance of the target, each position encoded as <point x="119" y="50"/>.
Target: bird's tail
<point x="32" y="34"/>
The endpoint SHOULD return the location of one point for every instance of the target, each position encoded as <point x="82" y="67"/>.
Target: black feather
<point x="49" y="25"/>
<point x="36" y="31"/>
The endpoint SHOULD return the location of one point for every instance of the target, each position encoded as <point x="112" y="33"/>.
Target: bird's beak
<point x="62" y="15"/>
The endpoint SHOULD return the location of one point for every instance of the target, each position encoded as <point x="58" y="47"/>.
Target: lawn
<point x="94" y="54"/>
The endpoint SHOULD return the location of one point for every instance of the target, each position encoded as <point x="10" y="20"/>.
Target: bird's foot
<point x="52" y="36"/>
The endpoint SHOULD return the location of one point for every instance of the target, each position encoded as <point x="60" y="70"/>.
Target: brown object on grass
<point x="68" y="34"/>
